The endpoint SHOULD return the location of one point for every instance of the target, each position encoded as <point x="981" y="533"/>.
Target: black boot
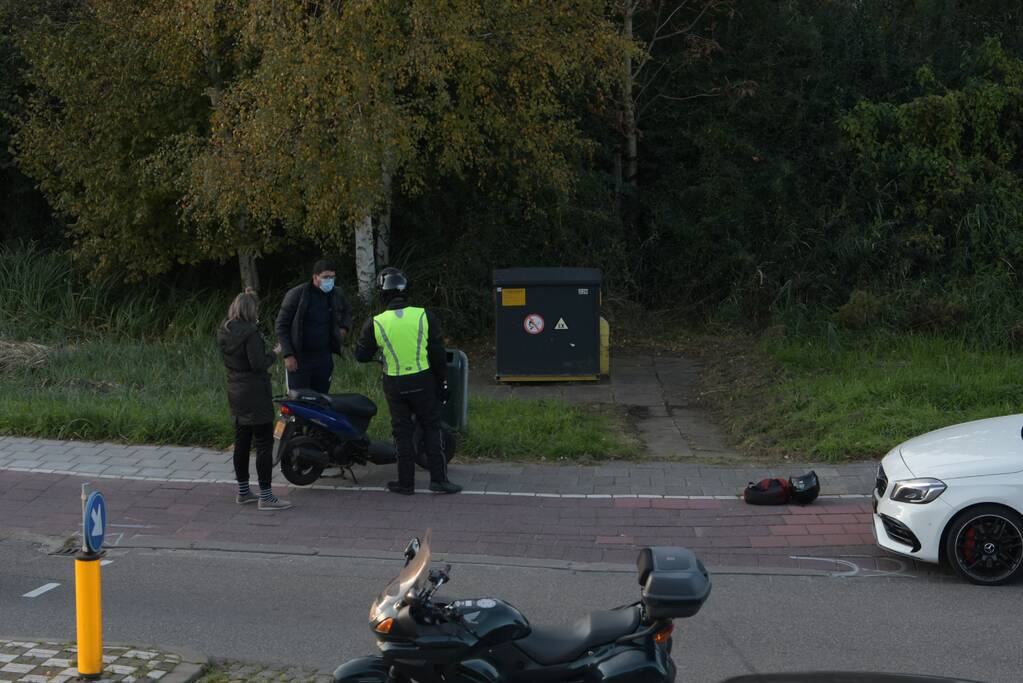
<point x="444" y="487"/>
<point x="396" y="487"/>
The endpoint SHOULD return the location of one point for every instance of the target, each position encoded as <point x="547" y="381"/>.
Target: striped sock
<point x="266" y="495"/>
<point x="243" y="488"/>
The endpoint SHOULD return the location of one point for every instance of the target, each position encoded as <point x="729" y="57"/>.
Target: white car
<point x="956" y="494"/>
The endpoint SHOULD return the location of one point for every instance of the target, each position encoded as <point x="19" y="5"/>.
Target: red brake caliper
<point x="970" y="544"/>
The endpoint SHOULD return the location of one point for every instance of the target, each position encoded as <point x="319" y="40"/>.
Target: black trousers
<point x="313" y="373"/>
<point x="416" y="395"/>
<point x="264" y="437"/>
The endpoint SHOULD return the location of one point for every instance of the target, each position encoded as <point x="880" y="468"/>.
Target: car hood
<point x="972" y="449"/>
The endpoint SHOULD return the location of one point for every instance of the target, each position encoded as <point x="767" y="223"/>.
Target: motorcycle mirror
<point x="411" y="549"/>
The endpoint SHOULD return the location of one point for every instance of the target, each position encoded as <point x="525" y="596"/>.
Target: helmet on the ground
<point x="391" y="283"/>
<point x="806" y="488"/>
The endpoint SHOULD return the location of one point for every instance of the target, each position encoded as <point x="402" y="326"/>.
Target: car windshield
<point x="412" y="577"/>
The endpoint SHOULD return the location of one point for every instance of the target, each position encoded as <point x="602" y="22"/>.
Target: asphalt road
<point x="311" y="611"/>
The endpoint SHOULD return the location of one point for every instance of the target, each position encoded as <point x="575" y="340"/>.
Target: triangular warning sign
<point x="561" y="324"/>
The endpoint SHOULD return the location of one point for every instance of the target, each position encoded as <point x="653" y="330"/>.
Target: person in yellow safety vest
<point x="409" y="343"/>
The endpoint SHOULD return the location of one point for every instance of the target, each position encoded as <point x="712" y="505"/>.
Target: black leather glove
<point x="443" y="392"/>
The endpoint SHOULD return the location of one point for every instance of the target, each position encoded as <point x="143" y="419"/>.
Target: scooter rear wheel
<point x="298" y="473"/>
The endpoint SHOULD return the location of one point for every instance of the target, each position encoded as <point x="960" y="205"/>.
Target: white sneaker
<point x="274" y="503"/>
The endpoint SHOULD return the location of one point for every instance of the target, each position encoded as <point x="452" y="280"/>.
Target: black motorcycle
<point x="487" y="640"/>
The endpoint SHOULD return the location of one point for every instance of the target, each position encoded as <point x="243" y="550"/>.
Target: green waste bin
<point x="456" y="413"/>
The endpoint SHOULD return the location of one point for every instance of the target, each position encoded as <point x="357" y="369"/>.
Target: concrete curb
<point x="186" y="673"/>
<point x="191" y="669"/>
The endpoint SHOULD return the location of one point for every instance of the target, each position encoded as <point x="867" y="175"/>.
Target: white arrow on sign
<point x="97" y="522"/>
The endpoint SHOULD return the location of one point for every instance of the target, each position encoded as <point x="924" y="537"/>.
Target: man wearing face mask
<point x="313" y="324"/>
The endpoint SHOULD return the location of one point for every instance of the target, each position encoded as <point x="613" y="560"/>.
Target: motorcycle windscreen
<point x="411" y="577"/>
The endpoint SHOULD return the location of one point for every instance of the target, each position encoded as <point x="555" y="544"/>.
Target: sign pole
<point x="88" y="593"/>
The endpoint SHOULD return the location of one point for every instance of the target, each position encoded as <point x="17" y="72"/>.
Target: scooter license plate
<point x="279" y="429"/>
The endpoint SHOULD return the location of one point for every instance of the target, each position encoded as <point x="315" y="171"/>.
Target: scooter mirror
<point x="411" y="549"/>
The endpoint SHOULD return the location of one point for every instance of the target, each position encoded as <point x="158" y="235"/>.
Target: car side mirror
<point x="411" y="550"/>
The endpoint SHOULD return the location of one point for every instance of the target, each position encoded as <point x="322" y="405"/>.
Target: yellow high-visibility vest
<point x="401" y="335"/>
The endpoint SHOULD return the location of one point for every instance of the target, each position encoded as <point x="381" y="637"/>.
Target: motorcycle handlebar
<point x="423" y="600"/>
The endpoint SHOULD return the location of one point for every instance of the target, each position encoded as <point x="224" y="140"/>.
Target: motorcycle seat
<point x="550" y="645"/>
<point x="353" y="405"/>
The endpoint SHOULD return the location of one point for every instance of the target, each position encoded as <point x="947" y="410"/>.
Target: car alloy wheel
<point x="985" y="545"/>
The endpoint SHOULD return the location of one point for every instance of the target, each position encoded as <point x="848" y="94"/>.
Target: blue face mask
<point x="326" y="285"/>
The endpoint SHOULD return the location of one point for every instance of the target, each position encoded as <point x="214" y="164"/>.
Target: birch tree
<point x="352" y="102"/>
<point x="663" y="37"/>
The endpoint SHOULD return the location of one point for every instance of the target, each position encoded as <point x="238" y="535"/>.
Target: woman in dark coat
<point x="249" y="395"/>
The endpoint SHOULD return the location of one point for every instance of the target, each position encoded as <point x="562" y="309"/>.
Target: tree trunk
<point x="365" y="258"/>
<point x="618" y="181"/>
<point x="383" y="234"/>
<point x="629" y="107"/>
<point x="246" y="255"/>
<point x="248" y="269"/>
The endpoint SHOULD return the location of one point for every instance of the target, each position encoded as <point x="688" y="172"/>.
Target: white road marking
<point x="39" y="591"/>
<point x="853" y="569"/>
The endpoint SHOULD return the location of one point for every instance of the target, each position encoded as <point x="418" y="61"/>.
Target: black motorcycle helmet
<point x="806" y="488"/>
<point x="392" y="284"/>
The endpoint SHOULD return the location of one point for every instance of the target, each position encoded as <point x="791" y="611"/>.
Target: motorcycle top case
<point x="675" y="583"/>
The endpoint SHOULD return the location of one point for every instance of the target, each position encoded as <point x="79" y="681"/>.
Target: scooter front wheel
<point x="449" y="442"/>
<point x="295" y="469"/>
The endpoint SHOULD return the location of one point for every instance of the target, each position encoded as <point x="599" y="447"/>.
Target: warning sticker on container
<point x="561" y="325"/>
<point x="533" y="323"/>
<point x="513" y="297"/>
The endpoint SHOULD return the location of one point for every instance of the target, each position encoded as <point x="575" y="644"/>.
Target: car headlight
<point x="918" y="491"/>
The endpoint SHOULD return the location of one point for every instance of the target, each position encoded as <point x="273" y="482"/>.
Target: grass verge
<point x="174" y="393"/>
<point x="852" y="398"/>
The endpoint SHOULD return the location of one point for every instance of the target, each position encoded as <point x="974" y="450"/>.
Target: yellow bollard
<point x="88" y="591"/>
<point x="89" y="603"/>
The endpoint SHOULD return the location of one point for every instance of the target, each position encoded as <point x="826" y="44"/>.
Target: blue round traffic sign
<point x="95" y="522"/>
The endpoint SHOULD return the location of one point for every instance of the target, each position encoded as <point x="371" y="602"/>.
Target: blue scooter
<point x="316" y="431"/>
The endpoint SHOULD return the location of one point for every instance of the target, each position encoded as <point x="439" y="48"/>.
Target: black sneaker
<point x="395" y="487"/>
<point x="444" y="487"/>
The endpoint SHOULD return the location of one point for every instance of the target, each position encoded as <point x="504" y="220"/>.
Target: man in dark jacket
<point x="313" y="323"/>
<point x="409" y="342"/>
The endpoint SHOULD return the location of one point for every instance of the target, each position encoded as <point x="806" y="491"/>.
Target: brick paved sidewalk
<point x="29" y="661"/>
<point x="198" y="465"/>
<point x="726" y="533"/>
